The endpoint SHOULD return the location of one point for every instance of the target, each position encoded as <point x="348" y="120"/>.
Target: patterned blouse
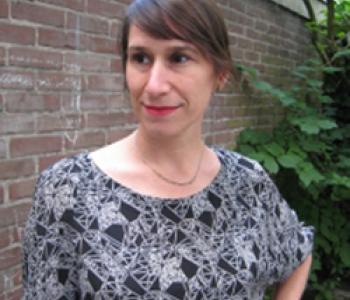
<point x="90" y="237"/>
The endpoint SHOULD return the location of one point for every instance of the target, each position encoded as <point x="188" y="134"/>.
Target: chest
<point x="180" y="250"/>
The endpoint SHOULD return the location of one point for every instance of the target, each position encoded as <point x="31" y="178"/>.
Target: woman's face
<point x="170" y="83"/>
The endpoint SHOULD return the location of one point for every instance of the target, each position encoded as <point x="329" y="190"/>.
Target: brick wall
<point x="61" y="91"/>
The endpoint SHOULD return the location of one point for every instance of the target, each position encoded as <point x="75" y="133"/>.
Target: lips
<point x="160" y="110"/>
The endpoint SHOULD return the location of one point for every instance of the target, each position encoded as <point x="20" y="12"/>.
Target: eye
<point x="179" y="58"/>
<point x="140" y="58"/>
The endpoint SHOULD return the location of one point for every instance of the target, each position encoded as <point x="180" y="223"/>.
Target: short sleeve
<point x="289" y="241"/>
<point x="49" y="261"/>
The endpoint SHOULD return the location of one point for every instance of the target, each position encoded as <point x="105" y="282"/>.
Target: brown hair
<point x="197" y="21"/>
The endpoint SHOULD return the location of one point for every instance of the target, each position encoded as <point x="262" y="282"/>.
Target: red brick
<point x="5" y="238"/>
<point x="21" y="189"/>
<point x="254" y="35"/>
<point x="94" y="102"/>
<point x="114" y="30"/>
<point x="34" y="58"/>
<point x="4" y="9"/>
<point x="15" y="294"/>
<point x="35" y="145"/>
<point x="251" y="56"/>
<point x="105" y="83"/>
<point x="106" y="9"/>
<point x="2" y="56"/>
<point x="77" y="5"/>
<point x="10" y="258"/>
<point x="103" y="45"/>
<point x="46" y="161"/>
<point x="25" y="102"/>
<point x="119" y="101"/>
<point x="37" y="14"/>
<point x="260" y="47"/>
<point x="86" y="140"/>
<point x="16" y="275"/>
<point x="261" y="26"/>
<point x="86" y="62"/>
<point x="225" y="138"/>
<point x="274" y="30"/>
<point x="59" y="82"/>
<point x="7" y="216"/>
<point x="21" y="213"/>
<point x="2" y="196"/>
<point x="244" y="43"/>
<point x="12" y="169"/>
<point x="235" y="29"/>
<point x="2" y="148"/>
<point x="106" y="119"/>
<point x="59" y="39"/>
<point x="237" y="5"/>
<point x="87" y="24"/>
<point x="116" y="65"/>
<point x="16" y="123"/>
<point x="16" y="79"/>
<point x="23" y="35"/>
<point x="48" y="123"/>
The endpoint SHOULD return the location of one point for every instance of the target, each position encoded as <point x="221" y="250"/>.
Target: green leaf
<point x="270" y="164"/>
<point x="341" y="53"/>
<point x="324" y="245"/>
<point x="315" y="83"/>
<point x="275" y="149"/>
<point x="246" y="149"/>
<point x="309" y="127"/>
<point x="289" y="160"/>
<point x="325" y="99"/>
<point x="313" y="145"/>
<point x="332" y="70"/>
<point x="327" y="124"/>
<point x="287" y="100"/>
<point x="249" y="70"/>
<point x="308" y="174"/>
<point x="263" y="86"/>
<point x="345" y="255"/>
<point x="254" y="137"/>
<point x="257" y="156"/>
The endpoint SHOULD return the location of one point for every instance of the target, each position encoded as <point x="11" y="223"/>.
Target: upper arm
<point x="290" y="242"/>
<point x="49" y="265"/>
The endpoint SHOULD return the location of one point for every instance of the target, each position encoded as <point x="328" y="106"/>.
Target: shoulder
<point x="237" y="163"/>
<point x="68" y="170"/>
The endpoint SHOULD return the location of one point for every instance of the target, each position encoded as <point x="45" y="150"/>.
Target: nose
<point x="158" y="80"/>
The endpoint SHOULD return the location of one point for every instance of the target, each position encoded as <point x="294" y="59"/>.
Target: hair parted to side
<point x="197" y="21"/>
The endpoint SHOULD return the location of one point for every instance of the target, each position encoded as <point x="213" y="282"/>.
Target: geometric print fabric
<point x="89" y="237"/>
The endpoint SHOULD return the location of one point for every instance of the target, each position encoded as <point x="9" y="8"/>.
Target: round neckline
<point x="204" y="190"/>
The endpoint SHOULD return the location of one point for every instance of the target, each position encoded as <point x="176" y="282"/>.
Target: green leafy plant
<point x="308" y="152"/>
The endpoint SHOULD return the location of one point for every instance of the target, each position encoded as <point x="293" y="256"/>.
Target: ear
<point x="222" y="79"/>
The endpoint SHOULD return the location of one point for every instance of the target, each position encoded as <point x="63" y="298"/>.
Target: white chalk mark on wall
<point x="76" y="85"/>
<point x="11" y="79"/>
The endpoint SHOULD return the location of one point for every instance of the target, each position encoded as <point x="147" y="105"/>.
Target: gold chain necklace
<point x="173" y="182"/>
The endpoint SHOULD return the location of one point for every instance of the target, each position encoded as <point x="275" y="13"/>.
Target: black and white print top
<point x="89" y="237"/>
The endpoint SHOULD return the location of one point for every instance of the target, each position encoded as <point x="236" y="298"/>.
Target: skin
<point x="168" y="73"/>
<point x="170" y="84"/>
<point x="164" y="74"/>
<point x="292" y="288"/>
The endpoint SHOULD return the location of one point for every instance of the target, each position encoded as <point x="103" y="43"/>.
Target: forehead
<point x="140" y="38"/>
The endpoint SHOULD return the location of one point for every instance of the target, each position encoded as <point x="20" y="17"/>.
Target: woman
<point x="159" y="215"/>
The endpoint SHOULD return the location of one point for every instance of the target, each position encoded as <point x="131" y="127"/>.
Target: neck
<point x="176" y="153"/>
